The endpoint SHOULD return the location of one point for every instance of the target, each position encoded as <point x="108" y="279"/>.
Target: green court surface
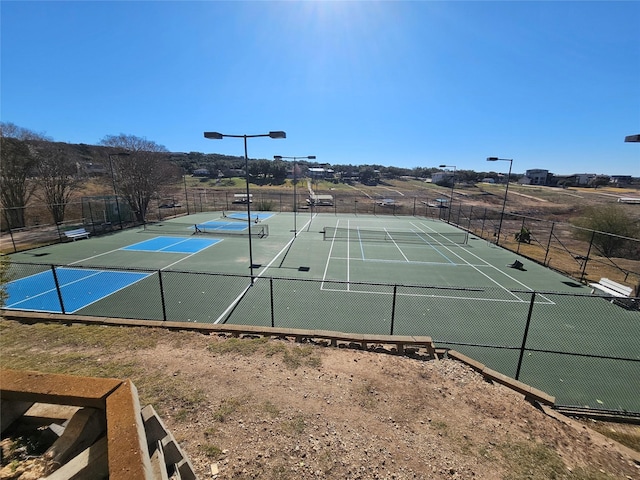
<point x="376" y="274"/>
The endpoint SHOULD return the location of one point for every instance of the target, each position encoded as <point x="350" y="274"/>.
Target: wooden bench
<point x="77" y="233"/>
<point x="620" y="293"/>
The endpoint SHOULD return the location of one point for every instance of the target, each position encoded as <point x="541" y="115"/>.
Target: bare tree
<point x="16" y="187"/>
<point x="141" y="174"/>
<point x="11" y="130"/>
<point x="57" y="178"/>
<point x="17" y="164"/>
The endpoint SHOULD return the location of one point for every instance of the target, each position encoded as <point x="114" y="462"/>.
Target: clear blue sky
<point x="552" y="85"/>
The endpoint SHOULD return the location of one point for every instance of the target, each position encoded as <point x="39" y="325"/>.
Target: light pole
<point x="113" y="181"/>
<point x="220" y="136"/>
<point x="186" y="196"/>
<point x="504" y="202"/>
<point x="295" y="182"/>
<point x="453" y="182"/>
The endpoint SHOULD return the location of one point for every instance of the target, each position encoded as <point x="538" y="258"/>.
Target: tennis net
<point x="408" y="236"/>
<point x="209" y="228"/>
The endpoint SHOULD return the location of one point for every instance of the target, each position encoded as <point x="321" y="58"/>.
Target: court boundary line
<point x="120" y="249"/>
<point x="526" y="287"/>
<point x="181" y="240"/>
<point x="94" y="274"/>
<point x="431" y="233"/>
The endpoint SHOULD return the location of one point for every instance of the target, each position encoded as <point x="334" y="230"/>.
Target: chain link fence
<point x="583" y="349"/>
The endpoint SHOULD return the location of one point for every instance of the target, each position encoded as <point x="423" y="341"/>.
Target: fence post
<point x="273" y="318"/>
<point x="586" y="259"/>
<point x="13" y="242"/>
<point x="484" y="217"/>
<point x="55" y="280"/>
<point x="414" y="206"/>
<point x="393" y="308"/>
<point x="526" y="333"/>
<point x="519" y="239"/>
<point x="164" y="308"/>
<point x="470" y="215"/>
<point x="546" y="254"/>
<point x="93" y="223"/>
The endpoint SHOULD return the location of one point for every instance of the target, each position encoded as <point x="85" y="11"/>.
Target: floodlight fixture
<point x="220" y="136"/>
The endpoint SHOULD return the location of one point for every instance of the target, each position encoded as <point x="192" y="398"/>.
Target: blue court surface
<point x="79" y="288"/>
<point x="173" y="245"/>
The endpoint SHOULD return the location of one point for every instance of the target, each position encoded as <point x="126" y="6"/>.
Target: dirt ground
<point x="274" y="409"/>
<point x="345" y="413"/>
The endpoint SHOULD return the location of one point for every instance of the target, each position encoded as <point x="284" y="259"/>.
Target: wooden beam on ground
<point x="528" y="391"/>
<point x="29" y="386"/>
<point x="90" y="463"/>
<point x="128" y="451"/>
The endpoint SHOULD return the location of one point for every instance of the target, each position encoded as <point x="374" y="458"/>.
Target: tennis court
<point x="352" y="273"/>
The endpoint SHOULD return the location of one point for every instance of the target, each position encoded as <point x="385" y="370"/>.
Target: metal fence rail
<point x="580" y="348"/>
<point x="564" y="247"/>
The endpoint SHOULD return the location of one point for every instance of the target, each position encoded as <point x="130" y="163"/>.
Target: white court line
<point x="476" y="269"/>
<point x="326" y="266"/>
<point x="233" y="304"/>
<point x="95" y="272"/>
<point x="371" y="292"/>
<point x="464" y="263"/>
<point x="492" y="266"/>
<point x="418" y="262"/>
<point x="163" y="268"/>
<point x="115" y="291"/>
<point x="397" y="246"/>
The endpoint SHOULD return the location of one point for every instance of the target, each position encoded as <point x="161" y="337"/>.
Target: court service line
<point x="413" y="295"/>
<point x="397" y="246"/>
<point x="495" y="268"/>
<point x="361" y="244"/>
<point x="326" y="265"/>
<point x="466" y="262"/>
<point x="418" y="262"/>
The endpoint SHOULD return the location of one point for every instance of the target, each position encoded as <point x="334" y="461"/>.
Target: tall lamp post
<point x="504" y="202"/>
<point x="220" y="136"/>
<point x="295" y="182"/>
<point x="113" y="181"/>
<point x="186" y="196"/>
<point x="453" y="182"/>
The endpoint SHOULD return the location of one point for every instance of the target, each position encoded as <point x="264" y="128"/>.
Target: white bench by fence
<point x="619" y="294"/>
<point x="77" y="233"/>
<point x="612" y="288"/>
